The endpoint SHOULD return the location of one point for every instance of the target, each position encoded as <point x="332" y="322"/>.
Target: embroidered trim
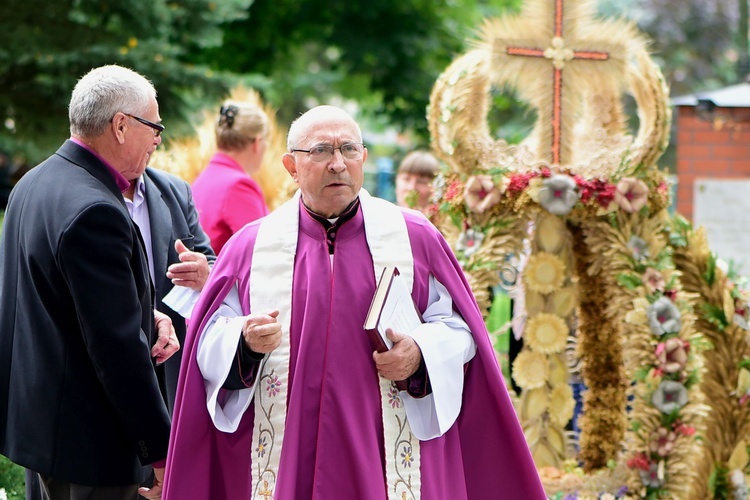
<point x="275" y="247"/>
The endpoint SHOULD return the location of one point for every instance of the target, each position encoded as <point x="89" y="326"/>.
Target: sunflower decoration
<point x="546" y="333"/>
<point x="531" y="370"/>
<point x="544" y="273"/>
<point x="561" y="405"/>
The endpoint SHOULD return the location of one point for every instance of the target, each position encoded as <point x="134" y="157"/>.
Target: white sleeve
<point x="447" y="345"/>
<point x="181" y="300"/>
<point x="217" y="348"/>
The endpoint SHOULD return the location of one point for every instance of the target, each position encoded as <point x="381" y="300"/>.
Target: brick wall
<point x="718" y="149"/>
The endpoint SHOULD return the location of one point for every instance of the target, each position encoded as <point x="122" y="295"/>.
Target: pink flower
<point x="662" y="441"/>
<point x="631" y="194"/>
<point x="672" y="354"/>
<point x="481" y="193"/>
<point x="653" y="281"/>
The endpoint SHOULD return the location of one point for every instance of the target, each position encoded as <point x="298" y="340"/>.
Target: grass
<point x="12" y="480"/>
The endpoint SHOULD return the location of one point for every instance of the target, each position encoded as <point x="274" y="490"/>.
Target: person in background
<point x="281" y="395"/>
<point x="178" y="250"/>
<point x="225" y="193"/>
<point x="414" y="178"/>
<point x="80" y="403"/>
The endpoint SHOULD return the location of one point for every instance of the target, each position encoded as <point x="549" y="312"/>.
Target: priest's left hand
<point x="401" y="361"/>
<point x="166" y="341"/>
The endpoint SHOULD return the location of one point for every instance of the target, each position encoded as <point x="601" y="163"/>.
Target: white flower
<point x="639" y="247"/>
<point x="558" y="194"/>
<point x="438" y="186"/>
<point x="670" y="396"/>
<point x="469" y="241"/>
<point x="663" y="317"/>
<point x="737" y="477"/>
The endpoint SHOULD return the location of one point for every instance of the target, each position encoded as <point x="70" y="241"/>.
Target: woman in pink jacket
<point x="225" y="193"/>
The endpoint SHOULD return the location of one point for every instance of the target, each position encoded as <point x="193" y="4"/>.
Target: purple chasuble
<point x="333" y="441"/>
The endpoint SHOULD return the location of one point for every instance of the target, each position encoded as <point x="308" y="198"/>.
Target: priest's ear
<point x="290" y="164"/>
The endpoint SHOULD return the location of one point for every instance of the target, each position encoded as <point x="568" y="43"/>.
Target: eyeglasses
<point x="324" y="152"/>
<point x="158" y="127"/>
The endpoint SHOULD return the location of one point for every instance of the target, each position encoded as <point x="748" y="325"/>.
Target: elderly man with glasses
<point x="80" y="401"/>
<point x="282" y="395"/>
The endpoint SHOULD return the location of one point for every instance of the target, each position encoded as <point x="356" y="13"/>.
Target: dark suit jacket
<point x="172" y="216"/>
<point x="79" y="397"/>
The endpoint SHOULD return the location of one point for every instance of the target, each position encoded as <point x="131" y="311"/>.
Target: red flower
<point x="683" y="429"/>
<point x="453" y="190"/>
<point x="639" y="461"/>
<point x="519" y="182"/>
<point x="606" y="194"/>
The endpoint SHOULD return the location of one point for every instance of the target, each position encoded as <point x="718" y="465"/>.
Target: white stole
<point x="271" y="279"/>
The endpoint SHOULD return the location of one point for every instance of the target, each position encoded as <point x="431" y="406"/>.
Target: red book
<point x="392" y="307"/>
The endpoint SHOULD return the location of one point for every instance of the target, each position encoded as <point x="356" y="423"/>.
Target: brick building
<point x="713" y="139"/>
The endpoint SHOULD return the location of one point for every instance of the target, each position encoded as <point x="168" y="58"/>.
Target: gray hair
<point x="302" y="126"/>
<point x="104" y="91"/>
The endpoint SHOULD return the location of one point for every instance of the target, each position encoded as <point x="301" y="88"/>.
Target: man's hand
<point x="401" y="361"/>
<point x="154" y="493"/>
<point x="262" y="332"/>
<point x="192" y="270"/>
<point x="166" y="340"/>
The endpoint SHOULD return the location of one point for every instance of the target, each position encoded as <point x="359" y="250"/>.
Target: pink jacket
<point x="226" y="198"/>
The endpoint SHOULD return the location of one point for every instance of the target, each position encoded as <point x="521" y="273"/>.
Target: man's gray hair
<point x="303" y="125"/>
<point x="104" y="91"/>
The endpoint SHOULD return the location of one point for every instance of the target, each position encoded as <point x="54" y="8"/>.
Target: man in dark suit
<point x="178" y="250"/>
<point x="80" y="403"/>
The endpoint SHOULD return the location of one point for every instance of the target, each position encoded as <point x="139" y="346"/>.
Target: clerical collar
<point x="331" y="226"/>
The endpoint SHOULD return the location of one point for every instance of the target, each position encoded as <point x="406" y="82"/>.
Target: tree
<point x="386" y="55"/>
<point x="695" y="42"/>
<point x="46" y="46"/>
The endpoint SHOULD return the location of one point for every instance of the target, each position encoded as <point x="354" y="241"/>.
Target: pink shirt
<point x="226" y="198"/>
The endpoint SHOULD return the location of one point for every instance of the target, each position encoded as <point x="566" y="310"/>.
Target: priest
<point x="281" y="394"/>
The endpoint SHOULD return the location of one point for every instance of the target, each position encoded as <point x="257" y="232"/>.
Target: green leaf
<point x="715" y="316"/>
<point x="710" y="273"/>
<point x="629" y="281"/>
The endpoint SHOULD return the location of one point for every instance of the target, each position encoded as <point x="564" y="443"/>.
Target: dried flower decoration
<point x="469" y="241"/>
<point x="544" y="273"/>
<point x="481" y="193"/>
<point x="561" y="405"/>
<point x="653" y="281"/>
<point x="546" y="333"/>
<point x="639" y="247"/>
<point x="530" y="369"/>
<point x="663" y="317"/>
<point x="631" y="194"/>
<point x="650" y="477"/>
<point x="672" y="354"/>
<point x="670" y="396"/>
<point x="663" y="441"/>
<point x="558" y="194"/>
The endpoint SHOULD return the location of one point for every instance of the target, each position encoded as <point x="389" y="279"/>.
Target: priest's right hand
<point x="262" y="332"/>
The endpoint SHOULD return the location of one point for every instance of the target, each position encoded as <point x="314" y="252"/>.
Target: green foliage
<point x="709" y="275"/>
<point x="629" y="281"/>
<point x="12" y="478"/>
<point x="45" y="47"/>
<point x="715" y="315"/>
<point x="718" y="483"/>
<point x="386" y="55"/>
